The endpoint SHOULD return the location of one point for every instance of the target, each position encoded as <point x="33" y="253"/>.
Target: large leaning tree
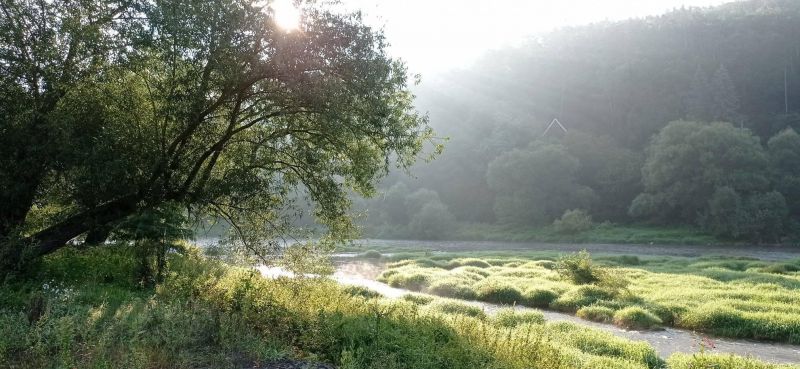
<point x="113" y="107"/>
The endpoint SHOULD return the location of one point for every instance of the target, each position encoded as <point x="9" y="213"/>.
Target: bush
<point x="760" y="217"/>
<point x="573" y="221"/>
<point x="510" y="318"/>
<point x="765" y="216"/>
<point x="473" y="269"/>
<point x="498" y="293"/>
<point x="432" y="222"/>
<point x="115" y="264"/>
<point x="538" y="297"/>
<point x="596" y="313"/>
<point x="664" y="313"/>
<point x="547" y="264"/>
<point x="371" y="254"/>
<point x="473" y="262"/>
<point x="429" y="263"/>
<point x="724" y="213"/>
<point x="625" y="259"/>
<point x="780" y="268"/>
<point x="721" y="320"/>
<point x="13" y="331"/>
<point x="717" y="361"/>
<point x="361" y="291"/>
<point x="578" y="268"/>
<point x="457" y="308"/>
<point x="635" y="317"/>
<point x="412" y="281"/>
<point x="452" y="288"/>
<point x="581" y="296"/>
<point x="418" y="299"/>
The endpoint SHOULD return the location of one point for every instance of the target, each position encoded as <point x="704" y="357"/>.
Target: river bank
<point x="666" y="342"/>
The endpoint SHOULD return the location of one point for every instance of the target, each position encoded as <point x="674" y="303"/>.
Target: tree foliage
<point x="118" y="108"/>
<point x="433" y="221"/>
<point x="688" y="161"/>
<point x="716" y="176"/>
<point x="536" y="185"/>
<point x="614" y="85"/>
<point x="784" y="152"/>
<point x="573" y="221"/>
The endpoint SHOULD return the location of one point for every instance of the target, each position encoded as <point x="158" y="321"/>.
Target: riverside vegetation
<point x="731" y="297"/>
<point x="85" y="309"/>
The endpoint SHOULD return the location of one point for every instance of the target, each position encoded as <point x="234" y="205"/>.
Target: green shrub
<point x="474" y="270"/>
<point x="112" y="264"/>
<point x="457" y="308"/>
<point x="510" y="318"/>
<point x="473" y="262"/>
<point x="781" y="268"/>
<point x="722" y="320"/>
<point x="604" y="344"/>
<point x="596" y="313"/>
<point x="538" y="297"/>
<point x="417" y="299"/>
<point x="547" y="264"/>
<point x="434" y="221"/>
<point x="371" y="254"/>
<point x="429" y="263"/>
<point x="411" y="281"/>
<point x="14" y="328"/>
<point x="635" y="317"/>
<point x="664" y="313"/>
<point x="573" y="221"/>
<point x="452" y="288"/>
<point x="581" y="296"/>
<point x="578" y="268"/>
<point x="625" y="259"/>
<point x="498" y="293"/>
<point x="361" y="291"/>
<point x="468" y="274"/>
<point x="717" y="361"/>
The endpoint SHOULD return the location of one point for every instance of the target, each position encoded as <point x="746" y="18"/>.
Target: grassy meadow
<point x="82" y="309"/>
<point x="731" y="297"/>
<point x="599" y="233"/>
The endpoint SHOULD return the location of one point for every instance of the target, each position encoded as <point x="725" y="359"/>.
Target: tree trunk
<point x="98" y="235"/>
<point x="55" y="237"/>
<point x="17" y="254"/>
<point x="14" y="208"/>
<point x="16" y="203"/>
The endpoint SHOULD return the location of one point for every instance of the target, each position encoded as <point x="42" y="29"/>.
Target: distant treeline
<point x="637" y="99"/>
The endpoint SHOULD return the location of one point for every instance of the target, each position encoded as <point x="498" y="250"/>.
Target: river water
<point x="350" y="271"/>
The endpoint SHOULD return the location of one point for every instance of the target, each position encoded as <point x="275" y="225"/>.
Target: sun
<point x="286" y="15"/>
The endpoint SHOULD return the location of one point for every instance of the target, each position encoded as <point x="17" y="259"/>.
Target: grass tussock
<point x="596" y="313"/>
<point x="510" y="318"/>
<point x="685" y="361"/>
<point x="210" y="315"/>
<point x="207" y="314"/>
<point x="731" y="297"/>
<point x="634" y="317"/>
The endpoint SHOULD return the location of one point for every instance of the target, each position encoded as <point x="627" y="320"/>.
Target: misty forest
<point x="685" y="120"/>
<point x="272" y="184"/>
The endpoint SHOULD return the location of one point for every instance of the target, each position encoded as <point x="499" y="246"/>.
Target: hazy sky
<point x="435" y="35"/>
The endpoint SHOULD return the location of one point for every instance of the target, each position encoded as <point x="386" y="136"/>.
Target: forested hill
<point x="628" y="79"/>
<point x="613" y="86"/>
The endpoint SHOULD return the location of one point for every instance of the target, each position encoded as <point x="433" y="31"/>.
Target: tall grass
<point x="731" y="297"/>
<point x="207" y="314"/>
